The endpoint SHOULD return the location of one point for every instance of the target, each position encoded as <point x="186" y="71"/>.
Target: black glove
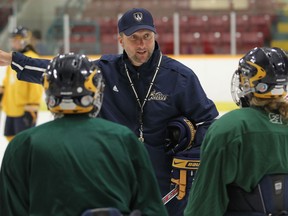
<point x="179" y="136"/>
<point x="1" y="94"/>
<point x="184" y="167"/>
<point x="30" y="118"/>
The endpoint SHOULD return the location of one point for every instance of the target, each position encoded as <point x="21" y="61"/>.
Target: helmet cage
<point x="236" y="88"/>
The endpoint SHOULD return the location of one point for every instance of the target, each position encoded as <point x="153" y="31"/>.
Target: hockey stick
<point x="170" y="195"/>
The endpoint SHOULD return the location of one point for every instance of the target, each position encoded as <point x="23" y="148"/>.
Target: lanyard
<point x="141" y="136"/>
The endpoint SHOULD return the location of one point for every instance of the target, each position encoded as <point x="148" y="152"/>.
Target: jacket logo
<point x="115" y="88"/>
<point x="157" y="96"/>
<point x="275" y="118"/>
<point x="138" y="16"/>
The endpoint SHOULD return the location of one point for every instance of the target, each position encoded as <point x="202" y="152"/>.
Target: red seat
<point x="242" y="22"/>
<point x="164" y="25"/>
<point x="198" y="23"/>
<point x="190" y="38"/>
<point x="184" y="24"/>
<point x="249" y="40"/>
<point x="109" y="43"/>
<point x="88" y="38"/>
<point x="5" y="12"/>
<point x="166" y="42"/>
<point x="254" y="38"/>
<point x="191" y="43"/>
<point x="219" y="23"/>
<point x="261" y="23"/>
<point x="83" y="28"/>
<point x="108" y="25"/>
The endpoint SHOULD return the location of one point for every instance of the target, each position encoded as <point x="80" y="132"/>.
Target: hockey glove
<point x="1" y="94"/>
<point x="30" y="118"/>
<point x="180" y="135"/>
<point x="184" y="167"/>
<point x="30" y="115"/>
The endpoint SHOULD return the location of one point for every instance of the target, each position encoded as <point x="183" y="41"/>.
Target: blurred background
<point x="183" y="26"/>
<point x="208" y="36"/>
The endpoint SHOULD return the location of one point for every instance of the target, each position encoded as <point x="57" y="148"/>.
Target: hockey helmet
<point x="23" y="34"/>
<point x="262" y="73"/>
<point x="73" y="84"/>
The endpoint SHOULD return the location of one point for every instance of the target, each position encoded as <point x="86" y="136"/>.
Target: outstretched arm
<point x="5" y="58"/>
<point x="27" y="69"/>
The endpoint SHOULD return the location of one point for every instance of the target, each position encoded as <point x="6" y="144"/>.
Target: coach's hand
<point x="5" y="58"/>
<point x="179" y="136"/>
<point x="184" y="167"/>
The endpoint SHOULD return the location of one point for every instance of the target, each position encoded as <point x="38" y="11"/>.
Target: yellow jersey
<point x="18" y="93"/>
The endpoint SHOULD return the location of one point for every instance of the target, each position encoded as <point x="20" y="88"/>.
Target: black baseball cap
<point x="134" y="20"/>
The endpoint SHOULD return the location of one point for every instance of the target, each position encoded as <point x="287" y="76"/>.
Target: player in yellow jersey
<point x="21" y="100"/>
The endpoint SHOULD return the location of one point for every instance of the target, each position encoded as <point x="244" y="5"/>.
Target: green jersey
<point x="75" y="163"/>
<point x="240" y="147"/>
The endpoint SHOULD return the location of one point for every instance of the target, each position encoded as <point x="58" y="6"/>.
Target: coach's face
<point x="139" y="46"/>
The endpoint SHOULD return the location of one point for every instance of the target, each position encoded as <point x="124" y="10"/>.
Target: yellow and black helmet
<point x="73" y="84"/>
<point x="262" y="73"/>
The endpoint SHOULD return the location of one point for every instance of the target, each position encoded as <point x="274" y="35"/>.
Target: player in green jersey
<point x="244" y="156"/>
<point x="76" y="162"/>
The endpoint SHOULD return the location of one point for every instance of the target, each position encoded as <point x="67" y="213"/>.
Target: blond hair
<point x="272" y="105"/>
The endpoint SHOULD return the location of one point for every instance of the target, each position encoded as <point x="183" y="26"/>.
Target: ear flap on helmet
<point x="44" y="81"/>
<point x="90" y="83"/>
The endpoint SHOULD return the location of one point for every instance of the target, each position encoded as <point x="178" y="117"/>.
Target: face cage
<point x="235" y="89"/>
<point x="97" y="104"/>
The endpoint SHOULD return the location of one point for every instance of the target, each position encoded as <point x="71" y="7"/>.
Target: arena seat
<point x="249" y="40"/>
<point x="184" y="24"/>
<point x="219" y="23"/>
<point x="198" y="23"/>
<point x="163" y="25"/>
<point x="108" y="25"/>
<point x="166" y="42"/>
<point x="5" y="12"/>
<point x="261" y="23"/>
<point x="242" y="22"/>
<point x="84" y="36"/>
<point x="200" y="29"/>
<point x="109" y="43"/>
<point x="191" y="43"/>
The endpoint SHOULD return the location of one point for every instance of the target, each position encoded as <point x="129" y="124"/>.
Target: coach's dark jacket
<point x="176" y="91"/>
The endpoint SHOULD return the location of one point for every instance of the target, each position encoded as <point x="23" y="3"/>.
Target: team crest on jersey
<point x="138" y="16"/>
<point x="159" y="96"/>
<point x="275" y="118"/>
